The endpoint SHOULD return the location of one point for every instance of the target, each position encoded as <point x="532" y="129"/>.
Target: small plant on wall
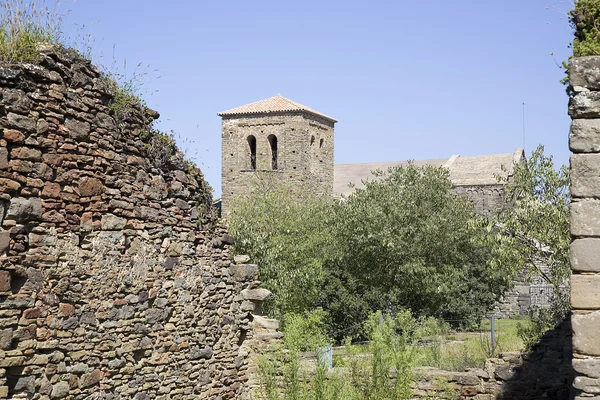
<point x="585" y="20"/>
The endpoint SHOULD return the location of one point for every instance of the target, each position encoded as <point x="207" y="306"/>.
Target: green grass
<point x="458" y="351"/>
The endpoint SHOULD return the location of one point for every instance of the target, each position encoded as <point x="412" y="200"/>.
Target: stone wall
<point x="115" y="277"/>
<point x="487" y="199"/>
<point x="584" y="109"/>
<point x="305" y="152"/>
<point x="544" y="373"/>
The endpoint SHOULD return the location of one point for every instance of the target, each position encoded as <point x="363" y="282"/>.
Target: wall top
<point x="276" y="104"/>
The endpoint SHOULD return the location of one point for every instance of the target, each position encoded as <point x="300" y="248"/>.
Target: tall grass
<point x="382" y="370"/>
<point x="24" y="24"/>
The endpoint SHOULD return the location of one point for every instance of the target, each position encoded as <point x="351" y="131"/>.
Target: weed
<point x="24" y="25"/>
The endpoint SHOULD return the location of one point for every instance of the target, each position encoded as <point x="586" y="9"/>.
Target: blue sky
<point x="406" y="79"/>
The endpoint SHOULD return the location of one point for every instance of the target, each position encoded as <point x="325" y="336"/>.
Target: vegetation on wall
<point x="24" y="25"/>
<point x="585" y="21"/>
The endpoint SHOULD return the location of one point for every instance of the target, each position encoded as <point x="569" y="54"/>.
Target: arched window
<point x="252" y="146"/>
<point x="321" y="143"/>
<point x="273" y="144"/>
<point x="312" y="140"/>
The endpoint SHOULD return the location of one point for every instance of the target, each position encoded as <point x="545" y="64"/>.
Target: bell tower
<point x="275" y="136"/>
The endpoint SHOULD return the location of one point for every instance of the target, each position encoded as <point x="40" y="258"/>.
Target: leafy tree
<point x="288" y="232"/>
<point x="532" y="231"/>
<point x="410" y="242"/>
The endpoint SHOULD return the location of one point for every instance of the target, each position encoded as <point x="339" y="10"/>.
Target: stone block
<point x="77" y="129"/>
<point x="24" y="208"/>
<point x="244" y="272"/>
<point x="585" y="105"/>
<point x="4" y="240"/>
<point x="585" y="136"/>
<point x="585" y="292"/>
<point x="4" y="281"/>
<point x="585" y="255"/>
<point x="259" y="294"/>
<point x="585" y="218"/>
<point x="585" y="175"/>
<point x="585" y="333"/>
<point x="585" y="72"/>
<point x="587" y="385"/>
<point x="587" y="366"/>
<point x="3" y="158"/>
<point x="90" y="187"/>
<point x="111" y="222"/>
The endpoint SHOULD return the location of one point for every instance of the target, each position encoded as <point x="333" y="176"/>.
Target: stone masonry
<point x="584" y="109"/>
<point x="304" y="146"/>
<point x="115" y="275"/>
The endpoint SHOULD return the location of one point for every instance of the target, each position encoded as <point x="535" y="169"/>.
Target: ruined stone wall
<point x="115" y="277"/>
<point x="305" y="152"/>
<point x="543" y="373"/>
<point x="584" y="109"/>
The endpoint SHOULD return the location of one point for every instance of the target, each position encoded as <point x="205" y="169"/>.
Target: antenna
<point x="523" y="126"/>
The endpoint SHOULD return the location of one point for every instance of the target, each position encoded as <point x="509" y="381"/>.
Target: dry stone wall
<point x="115" y="278"/>
<point x="584" y="109"/>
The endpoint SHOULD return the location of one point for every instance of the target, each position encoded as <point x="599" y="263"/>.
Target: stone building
<point x="276" y="136"/>
<point x="279" y="136"/>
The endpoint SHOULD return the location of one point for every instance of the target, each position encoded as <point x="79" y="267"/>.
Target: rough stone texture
<point x="585" y="218"/>
<point x="584" y="75"/>
<point x="587" y="366"/>
<point x="585" y="255"/>
<point x="585" y="178"/>
<point x="585" y="292"/>
<point x="585" y="72"/>
<point x="585" y="136"/>
<point x="586" y="328"/>
<point x="115" y="277"/>
<point x="304" y="147"/>
<point x="584" y="104"/>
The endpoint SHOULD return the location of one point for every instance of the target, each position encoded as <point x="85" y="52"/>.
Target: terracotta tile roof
<point x="275" y="104"/>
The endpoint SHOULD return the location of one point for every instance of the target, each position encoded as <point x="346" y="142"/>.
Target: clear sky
<point x="406" y="79"/>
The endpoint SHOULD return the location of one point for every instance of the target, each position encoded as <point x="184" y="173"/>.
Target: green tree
<point x="410" y="242"/>
<point x="532" y="231"/>
<point x="288" y="232"/>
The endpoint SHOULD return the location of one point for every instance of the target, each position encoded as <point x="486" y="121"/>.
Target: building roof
<point x="464" y="171"/>
<point x="276" y="104"/>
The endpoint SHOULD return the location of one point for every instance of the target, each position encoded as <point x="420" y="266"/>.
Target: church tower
<point x="275" y="136"/>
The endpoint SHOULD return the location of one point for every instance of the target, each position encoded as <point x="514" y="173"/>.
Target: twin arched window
<point x="273" y="147"/>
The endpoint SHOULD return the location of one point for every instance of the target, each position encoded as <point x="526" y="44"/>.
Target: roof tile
<point x="276" y="104"/>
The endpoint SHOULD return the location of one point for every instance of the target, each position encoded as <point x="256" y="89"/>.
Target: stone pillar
<point x="584" y="142"/>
